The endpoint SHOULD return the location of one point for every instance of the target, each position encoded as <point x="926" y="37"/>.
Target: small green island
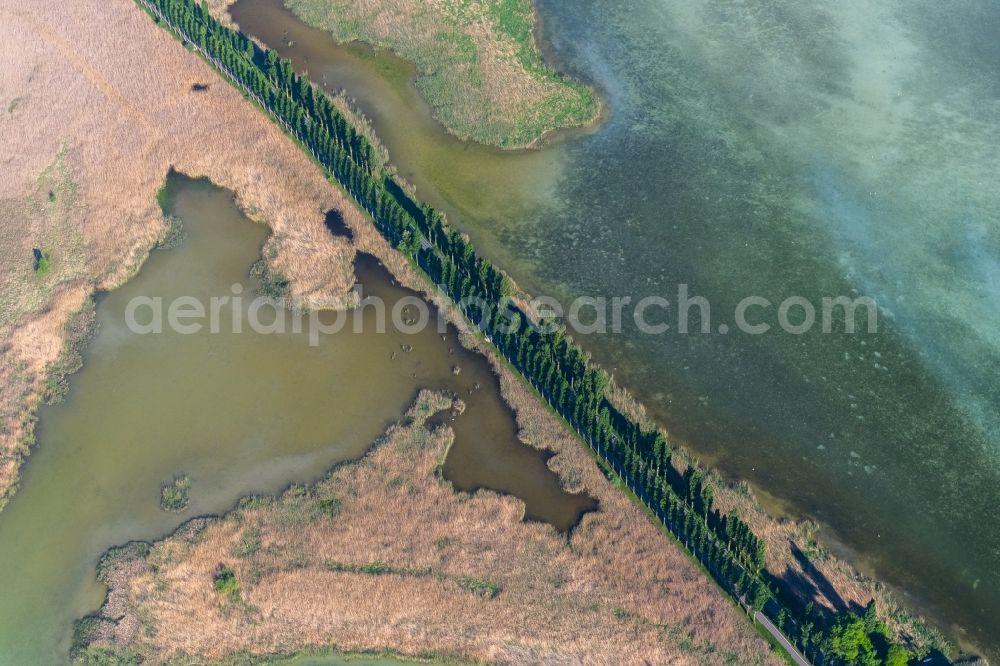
<point x="175" y="496"/>
<point x="478" y="62"/>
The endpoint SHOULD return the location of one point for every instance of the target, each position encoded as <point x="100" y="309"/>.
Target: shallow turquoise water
<point x="784" y="148"/>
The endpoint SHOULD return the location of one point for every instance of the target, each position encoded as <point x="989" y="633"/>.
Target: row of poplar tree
<point x="553" y="363"/>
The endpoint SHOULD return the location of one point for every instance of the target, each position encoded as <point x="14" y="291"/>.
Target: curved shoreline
<point x="431" y="59"/>
<point x="471" y="558"/>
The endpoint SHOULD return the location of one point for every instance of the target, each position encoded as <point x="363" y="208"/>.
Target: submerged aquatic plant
<point x="175" y="496"/>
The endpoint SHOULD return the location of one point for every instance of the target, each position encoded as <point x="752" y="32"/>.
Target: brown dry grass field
<point x="90" y="122"/>
<point x="384" y="553"/>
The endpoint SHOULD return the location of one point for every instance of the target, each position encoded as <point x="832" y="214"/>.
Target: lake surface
<point x="238" y="413"/>
<point x="774" y="149"/>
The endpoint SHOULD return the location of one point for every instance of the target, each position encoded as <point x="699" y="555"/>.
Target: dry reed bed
<point x="613" y="592"/>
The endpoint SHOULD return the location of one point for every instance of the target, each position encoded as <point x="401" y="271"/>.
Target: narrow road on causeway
<point x="780" y="637"/>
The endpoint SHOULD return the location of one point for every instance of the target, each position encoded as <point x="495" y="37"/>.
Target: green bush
<point x="42" y="262"/>
<point x="224" y="582"/>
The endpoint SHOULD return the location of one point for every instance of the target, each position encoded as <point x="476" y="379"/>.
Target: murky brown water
<point x="238" y="413"/>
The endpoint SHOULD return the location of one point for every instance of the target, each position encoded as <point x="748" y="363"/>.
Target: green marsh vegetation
<point x="80" y="330"/>
<point x="249" y="543"/>
<point x="175" y="496"/>
<point x="173" y="235"/>
<point x="479" y="66"/>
